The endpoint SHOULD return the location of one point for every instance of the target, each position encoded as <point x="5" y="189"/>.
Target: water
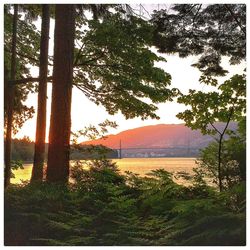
<point x="141" y="166"/>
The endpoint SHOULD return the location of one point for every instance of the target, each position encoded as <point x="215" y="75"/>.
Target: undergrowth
<point x="101" y="207"/>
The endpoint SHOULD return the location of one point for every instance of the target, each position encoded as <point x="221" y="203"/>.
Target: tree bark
<point x="39" y="154"/>
<point x="10" y="102"/>
<point x="60" y="120"/>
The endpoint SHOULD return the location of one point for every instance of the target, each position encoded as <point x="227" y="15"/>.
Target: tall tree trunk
<point x="10" y="102"/>
<point x="39" y="155"/>
<point x="60" y="120"/>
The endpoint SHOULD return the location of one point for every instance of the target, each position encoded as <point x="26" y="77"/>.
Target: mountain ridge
<point x="158" y="136"/>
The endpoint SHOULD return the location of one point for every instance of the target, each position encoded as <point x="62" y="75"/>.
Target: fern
<point x="104" y="208"/>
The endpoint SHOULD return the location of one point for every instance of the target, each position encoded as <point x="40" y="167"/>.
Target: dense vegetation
<point x="103" y="207"/>
<point x="22" y="149"/>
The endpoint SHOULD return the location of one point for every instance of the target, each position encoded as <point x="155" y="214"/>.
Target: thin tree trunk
<point x="60" y="120"/>
<point x="10" y="102"/>
<point x="220" y="148"/>
<point x="39" y="155"/>
<point x="219" y="163"/>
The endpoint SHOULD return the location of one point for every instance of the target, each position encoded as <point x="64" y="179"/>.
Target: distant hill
<point x="159" y="136"/>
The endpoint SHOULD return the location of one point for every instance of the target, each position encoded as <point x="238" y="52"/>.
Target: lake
<point x="141" y="166"/>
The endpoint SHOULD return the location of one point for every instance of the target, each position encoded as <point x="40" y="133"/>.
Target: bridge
<point x="170" y="150"/>
<point x="154" y="148"/>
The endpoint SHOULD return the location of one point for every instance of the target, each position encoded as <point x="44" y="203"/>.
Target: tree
<point x="212" y="31"/>
<point x="10" y="101"/>
<point x="233" y="157"/>
<point x="225" y="105"/>
<point x="39" y="155"/>
<point x="60" y="123"/>
<point x="26" y="55"/>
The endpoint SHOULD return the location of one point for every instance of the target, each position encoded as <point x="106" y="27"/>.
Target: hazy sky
<point x="85" y="112"/>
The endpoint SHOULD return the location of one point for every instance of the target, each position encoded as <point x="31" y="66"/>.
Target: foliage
<point x="226" y="104"/>
<point x="28" y="38"/>
<point x="230" y="170"/>
<point x="93" y="132"/>
<point x="102" y="207"/>
<point x="115" y="66"/>
<point x="236" y="147"/>
<point x="125" y="80"/>
<point x="209" y="30"/>
<point x="229" y="102"/>
<point x="81" y="151"/>
<point x="23" y="149"/>
<point x="85" y="152"/>
<point x="233" y="157"/>
<point x="15" y="165"/>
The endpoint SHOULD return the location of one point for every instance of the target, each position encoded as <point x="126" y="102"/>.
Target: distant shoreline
<point x="172" y="157"/>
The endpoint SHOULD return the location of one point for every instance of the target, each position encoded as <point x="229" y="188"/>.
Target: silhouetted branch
<point x="235" y="18"/>
<point x="196" y="14"/>
<point x="215" y="128"/>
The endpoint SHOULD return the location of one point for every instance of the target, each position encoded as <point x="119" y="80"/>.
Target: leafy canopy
<point x="212" y="31"/>
<point x="116" y="66"/>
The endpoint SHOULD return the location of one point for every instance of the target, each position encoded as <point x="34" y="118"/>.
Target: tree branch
<point x="235" y="18"/>
<point x="26" y="56"/>
<point x="88" y="61"/>
<point x="146" y="10"/>
<point x="228" y="120"/>
<point x="197" y="13"/>
<point x="215" y="128"/>
<point x="26" y="80"/>
<point x="78" y="54"/>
